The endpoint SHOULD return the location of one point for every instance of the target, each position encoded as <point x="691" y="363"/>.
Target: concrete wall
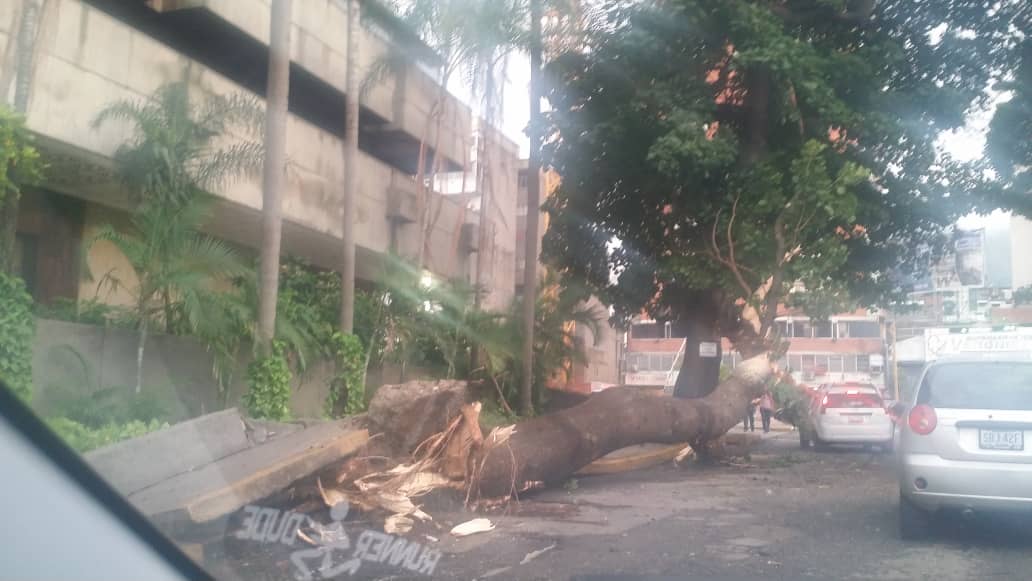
<point x="71" y="357"/>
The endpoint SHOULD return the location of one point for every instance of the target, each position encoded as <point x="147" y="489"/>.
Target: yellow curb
<point x="635" y="462"/>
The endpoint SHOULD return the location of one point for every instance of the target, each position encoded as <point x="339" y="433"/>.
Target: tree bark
<point x="548" y="449"/>
<point x="274" y="170"/>
<point x="24" y="55"/>
<point x="347" y="271"/>
<point x="530" y="255"/>
<point x="27" y="34"/>
<point x="701" y="315"/>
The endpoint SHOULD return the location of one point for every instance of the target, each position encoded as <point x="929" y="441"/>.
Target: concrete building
<point x="846" y="347"/>
<point x="91" y="53"/>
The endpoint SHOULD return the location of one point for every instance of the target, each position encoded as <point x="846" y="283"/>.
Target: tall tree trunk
<point x="28" y="28"/>
<point x="8" y="229"/>
<point x="548" y="449"/>
<point x="530" y="253"/>
<point x="700" y="369"/>
<point x="27" y="33"/>
<point x="277" y="92"/>
<point x="347" y="270"/>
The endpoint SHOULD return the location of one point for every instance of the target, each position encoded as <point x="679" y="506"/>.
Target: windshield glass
<point x="995" y="386"/>
<point x="517" y="289"/>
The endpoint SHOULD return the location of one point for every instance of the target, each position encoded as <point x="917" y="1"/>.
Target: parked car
<point x="964" y="447"/>
<point x="848" y="413"/>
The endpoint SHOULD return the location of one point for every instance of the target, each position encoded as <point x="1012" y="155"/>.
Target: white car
<point x="967" y="444"/>
<point x="849" y="413"/>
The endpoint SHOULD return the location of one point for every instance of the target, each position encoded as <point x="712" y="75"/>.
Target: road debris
<point x="470" y="527"/>
<point x="535" y="554"/>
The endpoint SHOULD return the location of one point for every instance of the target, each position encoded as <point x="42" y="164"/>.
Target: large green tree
<point x="714" y="153"/>
<point x="1010" y="133"/>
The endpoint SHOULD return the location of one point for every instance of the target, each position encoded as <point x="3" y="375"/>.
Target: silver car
<point x="966" y="444"/>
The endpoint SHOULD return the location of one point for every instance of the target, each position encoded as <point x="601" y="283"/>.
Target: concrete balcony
<point x="88" y="59"/>
<point x="402" y="101"/>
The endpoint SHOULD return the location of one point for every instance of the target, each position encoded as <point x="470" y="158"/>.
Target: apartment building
<point x="846" y="347"/>
<point x="90" y="53"/>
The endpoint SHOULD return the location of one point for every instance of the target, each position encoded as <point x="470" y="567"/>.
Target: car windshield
<point x="993" y="386"/>
<point x="516" y="289"/>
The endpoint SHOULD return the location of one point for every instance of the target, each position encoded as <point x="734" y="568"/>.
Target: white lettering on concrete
<point x="269" y="525"/>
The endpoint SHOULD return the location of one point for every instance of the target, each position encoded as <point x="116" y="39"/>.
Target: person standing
<point x="766" y="409"/>
<point x="749" y="424"/>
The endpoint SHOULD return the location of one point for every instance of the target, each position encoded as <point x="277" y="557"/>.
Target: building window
<point x="522" y="182"/>
<point x="861" y="329"/>
<point x="820" y="364"/>
<point x="835" y="364"/>
<point x="801" y="329"/>
<point x="782" y="328"/>
<point x="863" y="363"/>
<point x="822" y="329"/>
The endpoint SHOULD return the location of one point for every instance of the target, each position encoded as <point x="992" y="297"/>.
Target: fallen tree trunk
<point x="532" y="453"/>
<point x="550" y="448"/>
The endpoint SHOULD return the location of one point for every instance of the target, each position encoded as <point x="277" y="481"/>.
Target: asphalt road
<point x="784" y="513"/>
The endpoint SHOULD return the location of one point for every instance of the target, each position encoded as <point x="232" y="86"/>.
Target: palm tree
<point x="169" y="164"/>
<point x="558" y="311"/>
<point x="176" y="269"/>
<point x="351" y="112"/>
<point x="277" y="92"/>
<point x="172" y="156"/>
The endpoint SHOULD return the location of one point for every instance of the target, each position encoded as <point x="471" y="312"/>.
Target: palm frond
<point x="220" y="167"/>
<point x="234" y="111"/>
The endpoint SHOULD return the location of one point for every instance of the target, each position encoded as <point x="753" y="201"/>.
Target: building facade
<point x="91" y="53"/>
<point x="845" y="348"/>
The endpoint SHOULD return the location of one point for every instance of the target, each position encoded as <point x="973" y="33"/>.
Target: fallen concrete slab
<point x="135" y="464"/>
<point x="224" y="486"/>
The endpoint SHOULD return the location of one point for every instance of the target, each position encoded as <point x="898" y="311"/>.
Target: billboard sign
<point x="939" y="344"/>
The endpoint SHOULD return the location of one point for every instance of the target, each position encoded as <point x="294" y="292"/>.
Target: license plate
<point x="856" y="419"/>
<point x="1001" y="439"/>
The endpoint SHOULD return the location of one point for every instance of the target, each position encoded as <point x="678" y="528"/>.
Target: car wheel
<point x="913" y="522"/>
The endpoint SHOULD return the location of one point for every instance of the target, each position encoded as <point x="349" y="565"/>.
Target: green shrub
<point x="268" y="380"/>
<point x="349" y="356"/>
<point x="17" y="330"/>
<point x="83" y="438"/>
<point x="110" y="405"/>
<point x="794" y="403"/>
